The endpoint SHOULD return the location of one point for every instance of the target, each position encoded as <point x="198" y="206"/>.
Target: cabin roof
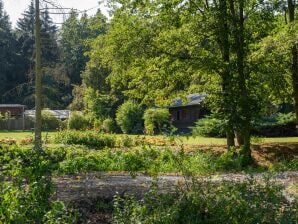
<point x="192" y="100"/>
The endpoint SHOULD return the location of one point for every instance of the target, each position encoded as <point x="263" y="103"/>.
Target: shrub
<point x="87" y="138"/>
<point x="59" y="213"/>
<point x="78" y="121"/>
<point x="129" y="118"/>
<point x="283" y="119"/>
<point x="49" y="121"/>
<point x="209" y="127"/>
<point x="26" y="187"/>
<point x="126" y="141"/>
<point x="97" y="124"/>
<point x="206" y="202"/>
<point x="157" y="121"/>
<point x="276" y="125"/>
<point x="108" y="125"/>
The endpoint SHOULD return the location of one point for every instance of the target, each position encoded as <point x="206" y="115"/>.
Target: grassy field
<point x="21" y="134"/>
<point x="222" y="141"/>
<point x="183" y="139"/>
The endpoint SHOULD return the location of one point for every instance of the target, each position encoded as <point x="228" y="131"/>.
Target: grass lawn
<point x="21" y="134"/>
<point x="187" y="140"/>
<point x="222" y="141"/>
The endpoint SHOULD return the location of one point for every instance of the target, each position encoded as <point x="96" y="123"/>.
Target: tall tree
<point x="10" y="62"/>
<point x="294" y="52"/>
<point x="55" y="90"/>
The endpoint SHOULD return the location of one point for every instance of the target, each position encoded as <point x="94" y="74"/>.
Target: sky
<point x="15" y="8"/>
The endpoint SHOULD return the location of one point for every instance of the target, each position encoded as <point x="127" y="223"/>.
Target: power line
<point x="61" y="9"/>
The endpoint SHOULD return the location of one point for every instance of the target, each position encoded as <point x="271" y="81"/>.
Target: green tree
<point x="55" y="91"/>
<point x="10" y="62"/>
<point x="129" y="118"/>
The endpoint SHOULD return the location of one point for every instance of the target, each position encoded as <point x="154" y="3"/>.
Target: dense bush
<point x="87" y="138"/>
<point x="209" y="127"/>
<point x="129" y="118"/>
<point x="78" y="121"/>
<point x="157" y="121"/>
<point x="152" y="160"/>
<point x="108" y="125"/>
<point x="26" y="186"/>
<point x="271" y="126"/>
<point x="205" y="202"/>
<point x="275" y="125"/>
<point x="50" y="122"/>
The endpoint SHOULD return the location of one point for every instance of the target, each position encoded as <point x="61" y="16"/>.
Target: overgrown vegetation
<point x="88" y="138"/>
<point x="129" y="118"/>
<point x="157" y="121"/>
<point x="205" y="202"/>
<point x="77" y="121"/>
<point x="270" y="126"/>
<point x="209" y="127"/>
<point x="26" y="187"/>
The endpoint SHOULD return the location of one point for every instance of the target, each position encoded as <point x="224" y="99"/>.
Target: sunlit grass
<point x="187" y="140"/>
<point x="21" y="134"/>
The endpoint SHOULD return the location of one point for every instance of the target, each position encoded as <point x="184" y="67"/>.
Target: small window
<point x="178" y="115"/>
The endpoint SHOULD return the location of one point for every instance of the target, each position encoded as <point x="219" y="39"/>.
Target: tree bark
<point x="294" y="52"/>
<point x="38" y="79"/>
<point x="226" y="74"/>
<point x="245" y="113"/>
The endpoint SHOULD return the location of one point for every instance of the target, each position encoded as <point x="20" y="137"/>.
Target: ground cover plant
<point x="23" y="164"/>
<point x="26" y="187"/>
<point x="88" y="138"/>
<point x="153" y="160"/>
<point x="248" y="202"/>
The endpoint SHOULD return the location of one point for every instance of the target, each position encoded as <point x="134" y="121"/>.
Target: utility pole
<point x="38" y="80"/>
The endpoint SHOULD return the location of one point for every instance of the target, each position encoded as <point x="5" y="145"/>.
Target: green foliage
<point x="205" y="202"/>
<point x="50" y="122"/>
<point x="209" y="126"/>
<point x="152" y="160"/>
<point x="98" y="105"/>
<point x="109" y="125"/>
<point x="87" y="138"/>
<point x="11" y="61"/>
<point x="285" y="118"/>
<point x="129" y="118"/>
<point x="275" y="125"/>
<point x="60" y="214"/>
<point x="26" y="186"/>
<point x="77" y="121"/>
<point x="4" y="116"/>
<point x="156" y="121"/>
<point x="126" y="141"/>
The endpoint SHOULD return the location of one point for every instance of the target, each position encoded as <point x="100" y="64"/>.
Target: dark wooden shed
<point x="184" y="116"/>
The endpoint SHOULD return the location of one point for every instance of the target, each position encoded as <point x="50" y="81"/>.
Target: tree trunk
<point x="226" y="74"/>
<point x="240" y="138"/>
<point x="243" y="103"/>
<point x="38" y="77"/>
<point x="294" y="51"/>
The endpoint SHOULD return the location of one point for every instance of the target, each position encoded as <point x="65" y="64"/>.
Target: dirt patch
<point x="264" y="154"/>
<point x="91" y="192"/>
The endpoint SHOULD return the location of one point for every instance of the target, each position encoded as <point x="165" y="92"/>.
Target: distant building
<point x="15" y="119"/>
<point x="184" y="116"/>
<point x="13" y="110"/>
<point x="60" y="114"/>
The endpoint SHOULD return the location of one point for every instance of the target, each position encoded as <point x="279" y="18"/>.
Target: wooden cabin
<point x="184" y="116"/>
